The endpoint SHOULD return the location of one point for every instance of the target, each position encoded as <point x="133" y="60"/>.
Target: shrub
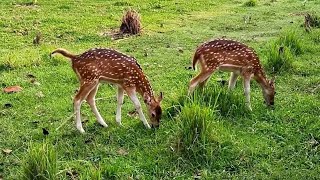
<point x="291" y="40"/>
<point x="250" y="3"/>
<point x="40" y="163"/>
<point x="278" y="58"/>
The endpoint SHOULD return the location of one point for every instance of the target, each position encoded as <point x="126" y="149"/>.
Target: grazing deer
<point x="229" y="55"/>
<point x="107" y="65"/>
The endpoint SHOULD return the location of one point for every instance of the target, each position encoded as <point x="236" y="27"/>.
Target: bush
<point x="40" y="163"/>
<point x="290" y="39"/>
<point x="250" y="3"/>
<point x="278" y="58"/>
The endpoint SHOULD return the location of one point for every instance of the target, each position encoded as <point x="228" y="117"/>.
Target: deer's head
<point x="154" y="109"/>
<point x="269" y="92"/>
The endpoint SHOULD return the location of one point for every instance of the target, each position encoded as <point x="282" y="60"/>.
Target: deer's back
<point x="221" y="51"/>
<point x="106" y="64"/>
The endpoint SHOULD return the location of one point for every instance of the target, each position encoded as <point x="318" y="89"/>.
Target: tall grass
<point x="315" y="36"/>
<point x="91" y="173"/>
<point x="292" y="40"/>
<point x="280" y="53"/>
<point x="40" y="163"/>
<point x="225" y="103"/>
<point x="250" y="3"/>
<point x="278" y="59"/>
<point x="314" y="20"/>
<point x="195" y="140"/>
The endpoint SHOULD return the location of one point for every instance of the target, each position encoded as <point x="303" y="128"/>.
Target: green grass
<point x="250" y="3"/>
<point x="279" y="58"/>
<point x="40" y="163"/>
<point x="292" y="40"/>
<point x="263" y="144"/>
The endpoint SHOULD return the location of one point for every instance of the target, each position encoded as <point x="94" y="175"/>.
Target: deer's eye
<point x="153" y="115"/>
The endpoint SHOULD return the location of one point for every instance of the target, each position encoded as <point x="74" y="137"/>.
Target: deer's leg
<point x="85" y="89"/>
<point x="199" y="79"/>
<point x="133" y="96"/>
<point x="120" y="102"/>
<point x="246" y="84"/>
<point x="92" y="103"/>
<point x="233" y="80"/>
<point x="203" y="83"/>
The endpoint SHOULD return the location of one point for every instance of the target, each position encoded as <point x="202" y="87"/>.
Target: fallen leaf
<point x="45" y="131"/>
<point x="133" y="113"/>
<point x="35" y="82"/>
<point x="122" y="152"/>
<point x="12" y="89"/>
<point x="39" y="94"/>
<point x="7" y="105"/>
<point x="36" y="40"/>
<point x="222" y="81"/>
<point x="29" y="75"/>
<point x="72" y="174"/>
<point x="7" y="151"/>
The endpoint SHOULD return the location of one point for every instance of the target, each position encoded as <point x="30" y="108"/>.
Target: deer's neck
<point x="144" y="88"/>
<point x="261" y="79"/>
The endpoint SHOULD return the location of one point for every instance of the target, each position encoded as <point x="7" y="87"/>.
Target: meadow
<point x="210" y="135"/>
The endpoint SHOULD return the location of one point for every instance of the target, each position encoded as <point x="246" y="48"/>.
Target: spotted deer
<point x="239" y="59"/>
<point x="110" y="66"/>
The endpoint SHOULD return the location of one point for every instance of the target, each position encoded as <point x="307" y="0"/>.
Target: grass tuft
<point x="314" y="20"/>
<point x="40" y="163"/>
<point x="278" y="58"/>
<point x="120" y="3"/>
<point x="292" y="40"/>
<point x="195" y="141"/>
<point x="250" y="3"/>
<point x="315" y="36"/>
<point x="226" y="103"/>
<point x="91" y="172"/>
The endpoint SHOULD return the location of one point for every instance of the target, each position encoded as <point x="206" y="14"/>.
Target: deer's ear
<point x="146" y="98"/>
<point x="160" y="97"/>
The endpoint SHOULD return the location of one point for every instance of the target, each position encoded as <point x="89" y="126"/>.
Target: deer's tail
<point x="196" y="58"/>
<point x="64" y="53"/>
